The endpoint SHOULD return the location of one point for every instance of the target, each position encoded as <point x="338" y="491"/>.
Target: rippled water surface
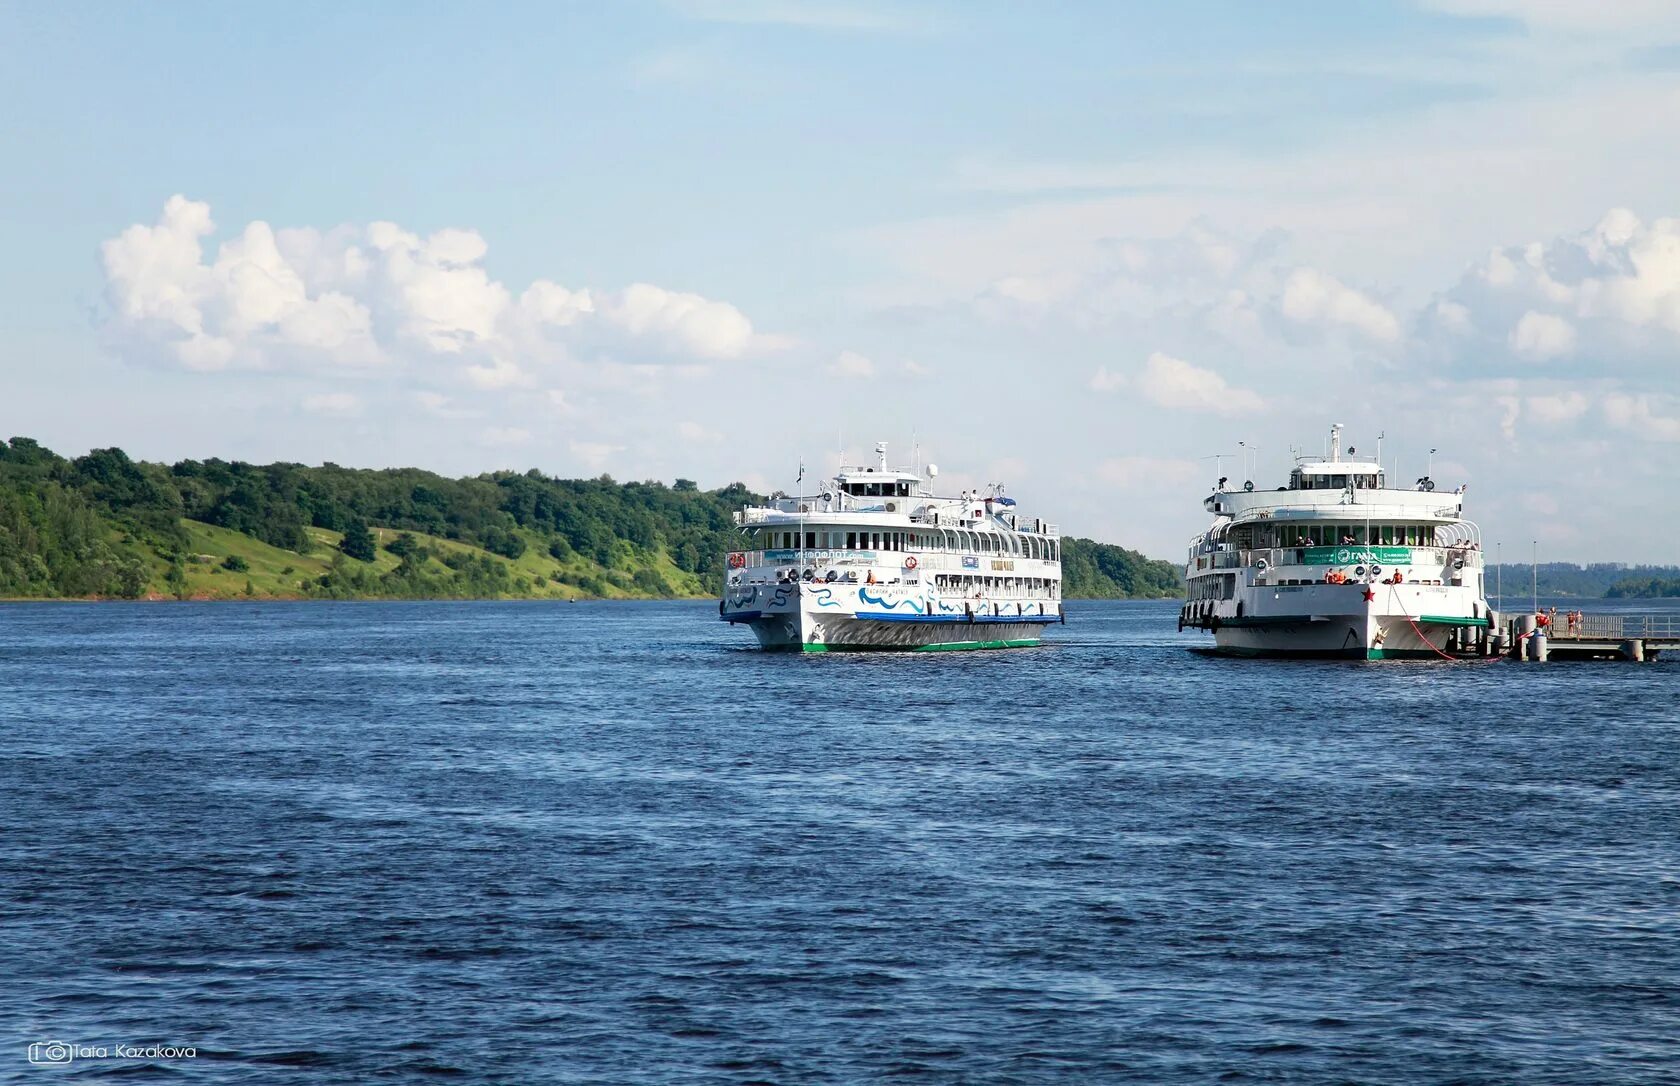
<point x="539" y="843"/>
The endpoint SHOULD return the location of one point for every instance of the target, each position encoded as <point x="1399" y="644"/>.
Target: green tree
<point x="176" y="579"/>
<point x="358" y="541"/>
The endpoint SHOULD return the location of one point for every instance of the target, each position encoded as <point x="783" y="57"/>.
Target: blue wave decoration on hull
<point x="881" y="601"/>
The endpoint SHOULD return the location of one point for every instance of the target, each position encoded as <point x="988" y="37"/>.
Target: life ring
<point x="910" y="562"/>
<point x="737" y="560"/>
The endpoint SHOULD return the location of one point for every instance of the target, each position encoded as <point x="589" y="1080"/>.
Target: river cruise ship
<point x="875" y="560"/>
<point x="1337" y="563"/>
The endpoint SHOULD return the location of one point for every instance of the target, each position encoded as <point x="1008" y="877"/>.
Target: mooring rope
<point x="1393" y="591"/>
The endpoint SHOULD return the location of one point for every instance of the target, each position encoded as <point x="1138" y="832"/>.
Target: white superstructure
<point x="875" y="560"/>
<point x="1336" y="563"/>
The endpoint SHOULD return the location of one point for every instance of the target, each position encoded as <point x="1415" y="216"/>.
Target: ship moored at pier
<point x="874" y="560"/>
<point x="1336" y="563"/>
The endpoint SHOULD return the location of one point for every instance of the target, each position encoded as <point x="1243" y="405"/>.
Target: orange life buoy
<point x="737" y="560"/>
<point x="910" y="562"/>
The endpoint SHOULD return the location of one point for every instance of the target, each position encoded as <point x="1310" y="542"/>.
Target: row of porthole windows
<point x="954" y="540"/>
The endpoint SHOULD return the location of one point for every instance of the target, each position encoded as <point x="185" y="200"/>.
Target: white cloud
<point x="1557" y="408"/>
<point x="1542" y="335"/>
<point x="594" y="454"/>
<point x="497" y="373"/>
<point x="436" y="403"/>
<point x="1105" y="380"/>
<point x="1147" y="473"/>
<point x="1636" y="416"/>
<point x="804" y="14"/>
<point x="332" y="403"/>
<point x="1311" y="297"/>
<point x="304" y="298"/>
<point x="246" y="306"/>
<point x="851" y="364"/>
<point x="1610" y="293"/>
<point x="694" y="432"/>
<point x="687" y="322"/>
<point x="1173" y="382"/>
<point x="1572" y="15"/>
<point x="504" y="435"/>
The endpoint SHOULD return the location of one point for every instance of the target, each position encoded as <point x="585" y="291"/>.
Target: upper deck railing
<point x="918" y="509"/>
<point x="991" y="565"/>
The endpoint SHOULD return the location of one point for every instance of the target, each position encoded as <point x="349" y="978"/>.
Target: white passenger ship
<point x="1337" y="563"/>
<point x="875" y="561"/>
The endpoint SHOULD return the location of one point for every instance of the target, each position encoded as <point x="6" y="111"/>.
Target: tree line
<point x="103" y="524"/>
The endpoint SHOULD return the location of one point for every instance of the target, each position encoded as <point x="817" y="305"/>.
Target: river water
<point x="549" y="843"/>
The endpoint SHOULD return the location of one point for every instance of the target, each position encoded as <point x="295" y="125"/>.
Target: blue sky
<point x="1073" y="247"/>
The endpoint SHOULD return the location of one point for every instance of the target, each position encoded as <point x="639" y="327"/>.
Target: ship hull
<point x="830" y="618"/>
<point x="835" y="633"/>
<point x="1401" y="622"/>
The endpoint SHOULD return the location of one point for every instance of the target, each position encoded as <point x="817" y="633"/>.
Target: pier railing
<point x="1614" y="627"/>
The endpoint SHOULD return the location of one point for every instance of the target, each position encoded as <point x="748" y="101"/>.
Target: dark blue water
<point x="538" y="843"/>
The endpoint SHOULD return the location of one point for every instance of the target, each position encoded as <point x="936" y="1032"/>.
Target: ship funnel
<point x="881" y="451"/>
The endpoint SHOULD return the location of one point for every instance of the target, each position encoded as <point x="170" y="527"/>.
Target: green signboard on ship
<point x="1358" y="556"/>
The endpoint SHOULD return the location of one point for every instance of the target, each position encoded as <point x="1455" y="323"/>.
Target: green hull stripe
<point x="1021" y="643"/>
<point x="1450" y="620"/>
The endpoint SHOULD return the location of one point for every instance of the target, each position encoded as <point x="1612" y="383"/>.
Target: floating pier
<point x="1639" y="638"/>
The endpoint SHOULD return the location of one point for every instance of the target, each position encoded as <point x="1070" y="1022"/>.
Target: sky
<point x="1079" y="249"/>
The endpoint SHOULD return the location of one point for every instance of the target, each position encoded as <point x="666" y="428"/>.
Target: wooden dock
<point x="1591" y="637"/>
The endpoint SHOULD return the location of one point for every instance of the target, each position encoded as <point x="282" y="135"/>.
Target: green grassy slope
<point x="275" y="573"/>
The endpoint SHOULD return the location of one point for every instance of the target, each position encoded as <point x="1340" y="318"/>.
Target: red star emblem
<point x="1369" y="595"/>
